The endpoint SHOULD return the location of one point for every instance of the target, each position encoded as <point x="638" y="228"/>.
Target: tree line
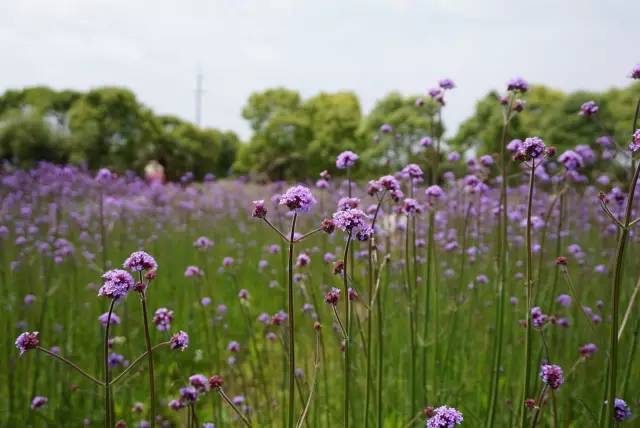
<point x="292" y="137"/>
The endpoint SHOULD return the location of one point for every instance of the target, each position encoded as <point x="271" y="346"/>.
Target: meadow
<point x="497" y="294"/>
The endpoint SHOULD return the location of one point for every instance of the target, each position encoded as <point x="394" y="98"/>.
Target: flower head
<point x="444" y="417"/>
<point x="588" y="109"/>
<point x="350" y="220"/>
<point x="532" y="148"/>
<point x="538" y="319"/>
<point x="413" y="171"/>
<point x="346" y="159"/>
<point x="140" y="261"/>
<point x="202" y="243"/>
<point x="188" y="394"/>
<point x="588" y="350"/>
<point x="333" y="296"/>
<point x="193" y="272"/>
<point x="622" y="410"/>
<point x="199" y="382"/>
<point x="571" y="160"/>
<point x="179" y="341"/>
<point x="38" y="401"/>
<point x="298" y="198"/>
<point x="216" y="381"/>
<point x="162" y="319"/>
<point x="552" y="375"/>
<point x="104" y="319"/>
<point x="26" y="341"/>
<point x="259" y="210"/>
<point x="446" y="84"/>
<point x="426" y="141"/>
<point x="517" y="84"/>
<point x="116" y="284"/>
<point x="635" y="141"/>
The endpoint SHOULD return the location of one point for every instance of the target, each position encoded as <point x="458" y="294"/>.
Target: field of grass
<point x="424" y="327"/>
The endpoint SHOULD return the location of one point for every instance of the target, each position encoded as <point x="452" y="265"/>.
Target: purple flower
<point x="386" y="128"/>
<point x="116" y="360"/>
<point x="38" y="401"/>
<point x="433" y="193"/>
<point x="227" y="261"/>
<point x="199" y="382"/>
<point x="635" y="141"/>
<point x="532" y="148"/>
<point x="346" y="203"/>
<point x="202" y="243"/>
<point x="411" y="207"/>
<point x="605" y="141"/>
<point x="635" y="72"/>
<point x="413" y="171"/>
<point x="538" y="319"/>
<point x="564" y="300"/>
<point x="303" y="260"/>
<point x="486" y="160"/>
<point x="588" y="350"/>
<point x="115" y="320"/>
<point x="622" y="410"/>
<point x="140" y="261"/>
<point x="445" y="417"/>
<point x="389" y="182"/>
<point x="454" y="157"/>
<point x="514" y="146"/>
<point x="29" y="299"/>
<point x="552" y="375"/>
<point x="298" y="198"/>
<point x="179" y="341"/>
<point x="193" y="272"/>
<point x="350" y="220"/>
<point x="259" y="210"/>
<point x="517" y="84"/>
<point x="116" y="284"/>
<point x="346" y="159"/>
<point x="333" y="296"/>
<point x="162" y="319"/>
<point x="426" y="141"/>
<point x="175" y="405"/>
<point x="588" y="109"/>
<point x="233" y="346"/>
<point x="571" y="160"/>
<point x="104" y="175"/>
<point x="446" y="84"/>
<point x="188" y="394"/>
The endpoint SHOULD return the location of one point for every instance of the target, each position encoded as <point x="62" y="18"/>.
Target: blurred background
<point x="274" y="89"/>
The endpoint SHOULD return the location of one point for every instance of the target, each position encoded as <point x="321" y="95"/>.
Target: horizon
<point x="266" y="44"/>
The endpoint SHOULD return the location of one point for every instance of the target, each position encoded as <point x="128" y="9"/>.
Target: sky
<point x="156" y="47"/>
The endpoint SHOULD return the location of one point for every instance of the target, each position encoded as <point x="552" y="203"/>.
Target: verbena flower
<point x="162" y="319"/>
<point x="571" y="160"/>
<point x="179" y="341"/>
<point x="517" y="84"/>
<point x="426" y="142"/>
<point x="588" y="350"/>
<point x="202" y="243"/>
<point x="532" y="148"/>
<point x="622" y="410"/>
<point x="346" y="203"/>
<point x="552" y="375"/>
<point x="116" y="284"/>
<point x="588" y="109"/>
<point x="115" y="319"/>
<point x="298" y="198"/>
<point x="259" y="209"/>
<point x="386" y="128"/>
<point x="635" y="72"/>
<point x="193" y="272"/>
<point x="564" y="300"/>
<point x="444" y="417"/>
<point x="634" y="146"/>
<point x="332" y="296"/>
<point x="413" y="171"/>
<point x="26" y="341"/>
<point x="199" y="382"/>
<point x="346" y="159"/>
<point x="538" y="319"/>
<point x="188" y="395"/>
<point x="350" y="220"/>
<point x="38" y="402"/>
<point x="446" y="84"/>
<point x="140" y="261"/>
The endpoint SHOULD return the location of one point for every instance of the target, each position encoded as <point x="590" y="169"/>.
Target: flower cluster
<point x="346" y="159"/>
<point x="140" y="261"/>
<point x="350" y="220"/>
<point x="298" y="199"/>
<point x="444" y="417"/>
<point x="552" y="375"/>
<point x="26" y="341"/>
<point x="116" y="284"/>
<point x="162" y="319"/>
<point x="622" y="410"/>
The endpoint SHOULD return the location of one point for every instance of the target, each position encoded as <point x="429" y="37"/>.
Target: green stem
<point x="71" y="364"/>
<point x="347" y="340"/>
<point x="107" y="372"/>
<point x="233" y="406"/>
<point x="147" y="337"/>
<point x="615" y="298"/>
<point x="529" y="291"/>
<point x="136" y="362"/>
<point x="291" y="348"/>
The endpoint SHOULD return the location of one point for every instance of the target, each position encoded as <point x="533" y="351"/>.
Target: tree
<point x="263" y="106"/>
<point x="110" y="128"/>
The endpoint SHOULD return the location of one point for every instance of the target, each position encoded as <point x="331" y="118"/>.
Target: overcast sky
<point x="155" y="47"/>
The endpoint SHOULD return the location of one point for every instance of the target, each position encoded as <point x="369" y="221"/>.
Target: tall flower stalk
<point x="510" y="104"/>
<point x="531" y="152"/>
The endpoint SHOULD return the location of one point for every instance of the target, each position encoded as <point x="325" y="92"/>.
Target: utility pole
<point x="199" y="92"/>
